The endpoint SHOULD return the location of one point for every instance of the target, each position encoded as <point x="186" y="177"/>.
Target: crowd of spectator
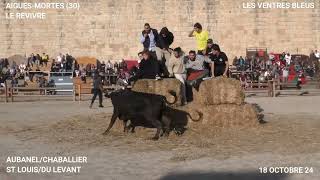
<point x="31" y="69"/>
<point x="116" y="70"/>
<point x="63" y="63"/>
<point x="12" y="72"/>
<point x="278" y="67"/>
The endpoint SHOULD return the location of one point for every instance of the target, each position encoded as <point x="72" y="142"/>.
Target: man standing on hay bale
<point x="149" y="37"/>
<point x="220" y="63"/>
<point x="163" y="53"/>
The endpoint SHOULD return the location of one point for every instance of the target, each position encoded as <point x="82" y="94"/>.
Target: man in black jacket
<point x="163" y="43"/>
<point x="149" y="37"/>
<point x="148" y="68"/>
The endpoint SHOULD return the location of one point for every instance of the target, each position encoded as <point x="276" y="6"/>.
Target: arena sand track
<point x="291" y="138"/>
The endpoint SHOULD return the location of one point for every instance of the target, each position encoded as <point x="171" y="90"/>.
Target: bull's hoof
<point x="105" y="133"/>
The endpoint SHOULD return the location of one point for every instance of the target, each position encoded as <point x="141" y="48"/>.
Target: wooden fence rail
<point x="270" y="88"/>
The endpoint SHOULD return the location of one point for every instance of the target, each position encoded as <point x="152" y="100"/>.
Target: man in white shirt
<point x="288" y="59"/>
<point x="148" y="38"/>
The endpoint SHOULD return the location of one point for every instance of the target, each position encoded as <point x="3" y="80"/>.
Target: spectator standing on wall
<point x="201" y="36"/>
<point x="148" y="38"/>
<point x="165" y="39"/>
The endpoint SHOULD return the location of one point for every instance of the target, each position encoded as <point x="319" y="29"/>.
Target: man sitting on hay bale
<point x="195" y="68"/>
<point x="148" y="68"/>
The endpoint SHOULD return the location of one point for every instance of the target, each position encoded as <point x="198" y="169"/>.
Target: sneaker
<point x="90" y="106"/>
<point x="101" y="106"/>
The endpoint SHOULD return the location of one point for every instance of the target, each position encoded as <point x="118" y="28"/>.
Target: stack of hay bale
<point x="221" y="100"/>
<point x="160" y="87"/>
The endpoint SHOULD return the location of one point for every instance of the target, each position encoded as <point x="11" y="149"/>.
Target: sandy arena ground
<point x="291" y="138"/>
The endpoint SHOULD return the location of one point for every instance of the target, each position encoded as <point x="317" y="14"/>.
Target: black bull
<point x="146" y="110"/>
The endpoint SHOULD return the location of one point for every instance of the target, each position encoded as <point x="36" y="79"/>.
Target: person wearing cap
<point x="177" y="69"/>
<point x="220" y="63"/>
<point x="97" y="89"/>
<point x="201" y="36"/>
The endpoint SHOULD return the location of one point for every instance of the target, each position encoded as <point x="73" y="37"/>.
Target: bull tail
<point x="196" y="120"/>
<point x="112" y="121"/>
<point x="174" y="94"/>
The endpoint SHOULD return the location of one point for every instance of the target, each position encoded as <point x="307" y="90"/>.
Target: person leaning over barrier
<point x="220" y="63"/>
<point x="97" y="89"/>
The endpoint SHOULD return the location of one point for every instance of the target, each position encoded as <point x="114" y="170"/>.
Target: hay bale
<point x="225" y="115"/>
<point x="219" y="90"/>
<point x="160" y="87"/>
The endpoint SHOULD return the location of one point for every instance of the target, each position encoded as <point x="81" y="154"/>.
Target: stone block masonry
<point x="110" y="29"/>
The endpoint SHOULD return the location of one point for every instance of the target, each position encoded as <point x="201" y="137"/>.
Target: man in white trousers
<point x="177" y="69"/>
